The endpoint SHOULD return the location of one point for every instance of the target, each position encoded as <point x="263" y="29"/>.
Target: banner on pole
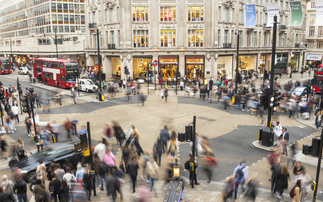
<point x="319" y="13"/>
<point x="273" y="10"/>
<point x="250" y="16"/>
<point x="296" y="12"/>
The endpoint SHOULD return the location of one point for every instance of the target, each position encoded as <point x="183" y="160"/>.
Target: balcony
<point x="297" y="45"/>
<point x="226" y="45"/>
<point x="282" y="27"/>
<point x="111" y="46"/>
<point x="92" y="25"/>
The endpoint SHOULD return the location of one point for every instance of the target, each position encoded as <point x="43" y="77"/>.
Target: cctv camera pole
<point x="318" y="169"/>
<point x="91" y="155"/>
<point x="193" y="150"/>
<point x="273" y="53"/>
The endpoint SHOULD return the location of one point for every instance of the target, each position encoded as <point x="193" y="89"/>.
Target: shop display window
<point x="140" y="38"/>
<point x="140" y="13"/>
<point x="194" y="67"/>
<point x="195" y="13"/>
<point x="168" y="38"/>
<point x="168" y="66"/>
<point x="195" y="38"/>
<point x="167" y="13"/>
<point x="116" y="67"/>
<point x="295" y="59"/>
<point x="225" y="66"/>
<point x="141" y="66"/>
<point x="247" y="63"/>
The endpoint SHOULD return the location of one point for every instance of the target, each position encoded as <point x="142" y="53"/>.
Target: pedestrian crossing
<point x="14" y="77"/>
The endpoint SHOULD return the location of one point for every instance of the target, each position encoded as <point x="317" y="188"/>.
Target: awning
<point x="315" y="57"/>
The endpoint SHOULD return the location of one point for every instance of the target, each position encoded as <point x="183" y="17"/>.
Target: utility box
<point x="267" y="137"/>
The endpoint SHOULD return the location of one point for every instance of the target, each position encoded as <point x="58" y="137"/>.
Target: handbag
<point x="41" y="141"/>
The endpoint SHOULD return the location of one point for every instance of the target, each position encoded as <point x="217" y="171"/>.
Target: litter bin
<point x="267" y="137"/>
<point x="101" y="96"/>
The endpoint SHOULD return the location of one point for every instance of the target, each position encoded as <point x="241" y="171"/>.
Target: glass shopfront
<point x="141" y="66"/>
<point x="167" y="67"/>
<point x="247" y="64"/>
<point x="280" y="62"/>
<point x="194" y="67"/>
<point x="264" y="63"/>
<point x="114" y="63"/>
<point x="295" y="59"/>
<point x="225" y="66"/>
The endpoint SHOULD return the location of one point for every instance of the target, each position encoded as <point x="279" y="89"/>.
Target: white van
<point x="87" y="85"/>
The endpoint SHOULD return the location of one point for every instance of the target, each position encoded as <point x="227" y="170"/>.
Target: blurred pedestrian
<point x="41" y="171"/>
<point x="8" y="184"/>
<point x="318" y="120"/>
<point x="20" y="149"/>
<point x="5" y="196"/>
<point x="172" y="146"/>
<point x="158" y="149"/>
<point x="165" y="137"/>
<point x="132" y="170"/>
<point x="4" y="147"/>
<point x="209" y="164"/>
<point x="63" y="194"/>
<point x="59" y="173"/>
<point x="251" y="192"/>
<point x="100" y="148"/>
<point x="285" y="136"/>
<point x="166" y="94"/>
<point x="54" y="186"/>
<point x="112" y="185"/>
<point x="79" y="173"/>
<point x="109" y="158"/>
<point x="20" y="188"/>
<point x="69" y="178"/>
<point x="298" y="170"/>
<point x="282" y="181"/>
<point x="298" y="191"/>
<point x="44" y="136"/>
<point x="241" y="174"/>
<point x="229" y="188"/>
<point x="87" y="181"/>
<point x="153" y="173"/>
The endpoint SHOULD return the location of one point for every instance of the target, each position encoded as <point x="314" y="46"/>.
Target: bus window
<point x="60" y="65"/>
<point x="70" y="78"/>
<point x="5" y="64"/>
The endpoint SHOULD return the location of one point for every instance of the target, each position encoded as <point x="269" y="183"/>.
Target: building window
<point x="119" y="44"/>
<point x="67" y="28"/>
<point x="60" y="19"/>
<point x="311" y="30"/>
<point x="54" y="18"/>
<point x="248" y="39"/>
<point x="296" y="38"/>
<point x="195" y="38"/>
<point x="286" y="19"/>
<point x="312" y="18"/>
<point x="240" y="16"/>
<point x="225" y="39"/>
<point x="232" y="34"/>
<point x="111" y="15"/>
<point x="226" y="14"/>
<point x="140" y="13"/>
<point x="219" y="37"/>
<point x="59" y="7"/>
<point x="279" y="39"/>
<point x="71" y="8"/>
<point x="195" y="13"/>
<point x="313" y="5"/>
<point x="284" y="39"/>
<point x="259" y="39"/>
<point x="240" y="38"/>
<point x="65" y="8"/>
<point x="219" y="14"/>
<point x="118" y="14"/>
<point x="167" y="13"/>
<point x="286" y="5"/>
<point x="281" y="4"/>
<point x="82" y="19"/>
<point x="65" y="19"/>
<point x="266" y="18"/>
<point x="319" y="44"/>
<point x="254" y="39"/>
<point x="72" y="28"/>
<point x="93" y="17"/>
<point x="71" y="19"/>
<point x="167" y="38"/>
<point x="140" y="38"/>
<point x="232" y="15"/>
<point x="53" y="7"/>
<point x="112" y="37"/>
<point x="82" y="8"/>
<point x="107" y="37"/>
<point x="99" y="17"/>
<point x="60" y="29"/>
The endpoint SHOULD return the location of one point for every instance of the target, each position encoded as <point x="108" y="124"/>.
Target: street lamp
<point x="237" y="61"/>
<point x="176" y="169"/>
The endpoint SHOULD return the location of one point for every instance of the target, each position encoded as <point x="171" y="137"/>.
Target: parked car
<point x="299" y="91"/>
<point x="58" y="152"/>
<point x="23" y="70"/>
<point x="87" y="85"/>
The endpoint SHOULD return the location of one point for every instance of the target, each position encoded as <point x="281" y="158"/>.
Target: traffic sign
<point x="155" y="62"/>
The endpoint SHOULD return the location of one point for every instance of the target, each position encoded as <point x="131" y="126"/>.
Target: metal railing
<point x="226" y="45"/>
<point x="92" y="25"/>
<point x="297" y="45"/>
<point x="111" y="46"/>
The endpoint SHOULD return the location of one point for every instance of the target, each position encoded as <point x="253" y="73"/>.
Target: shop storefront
<point x="114" y="64"/>
<point x="81" y="60"/>
<point x="140" y="66"/>
<point x="247" y="64"/>
<point x="313" y="60"/>
<point x="294" y="58"/>
<point x="280" y="62"/>
<point x="194" y="67"/>
<point x="167" y="67"/>
<point x="264" y="63"/>
<point x="225" y="66"/>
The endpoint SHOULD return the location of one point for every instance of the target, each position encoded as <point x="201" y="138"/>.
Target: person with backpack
<point x="241" y="174"/>
<point x="103" y="169"/>
<point x="54" y="186"/>
<point x="296" y="192"/>
<point x="188" y="166"/>
<point x="282" y="181"/>
<point x="8" y="184"/>
<point x="227" y="192"/>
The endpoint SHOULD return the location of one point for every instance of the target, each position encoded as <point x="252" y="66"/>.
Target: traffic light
<point x="178" y="74"/>
<point x="126" y="71"/>
<point x="189" y="133"/>
<point x="25" y="104"/>
<point x="150" y="73"/>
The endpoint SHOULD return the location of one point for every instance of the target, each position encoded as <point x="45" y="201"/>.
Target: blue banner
<point x="250" y="15"/>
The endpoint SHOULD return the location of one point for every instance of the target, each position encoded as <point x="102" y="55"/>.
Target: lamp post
<point x="56" y="42"/>
<point x="99" y="63"/>
<point x="11" y="60"/>
<point x="237" y="62"/>
<point x="176" y="169"/>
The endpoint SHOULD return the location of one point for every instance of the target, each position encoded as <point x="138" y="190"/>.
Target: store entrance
<point x="194" y="67"/>
<point x="168" y="66"/>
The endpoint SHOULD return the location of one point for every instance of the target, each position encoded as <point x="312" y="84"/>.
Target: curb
<point x="257" y="145"/>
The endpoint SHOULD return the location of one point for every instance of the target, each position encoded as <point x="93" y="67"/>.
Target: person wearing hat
<point x="278" y="129"/>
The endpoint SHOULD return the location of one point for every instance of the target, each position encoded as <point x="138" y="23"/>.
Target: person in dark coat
<point x="282" y="181"/>
<point x="132" y="170"/>
<point x="112" y="185"/>
<point x="87" y="183"/>
<point x="165" y="137"/>
<point x="63" y="193"/>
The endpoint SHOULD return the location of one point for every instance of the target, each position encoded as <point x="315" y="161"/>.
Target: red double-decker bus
<point x="56" y="72"/>
<point x="5" y="66"/>
<point x="318" y="79"/>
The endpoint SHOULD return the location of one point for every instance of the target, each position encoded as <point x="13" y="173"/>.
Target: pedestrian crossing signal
<point x="313" y="186"/>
